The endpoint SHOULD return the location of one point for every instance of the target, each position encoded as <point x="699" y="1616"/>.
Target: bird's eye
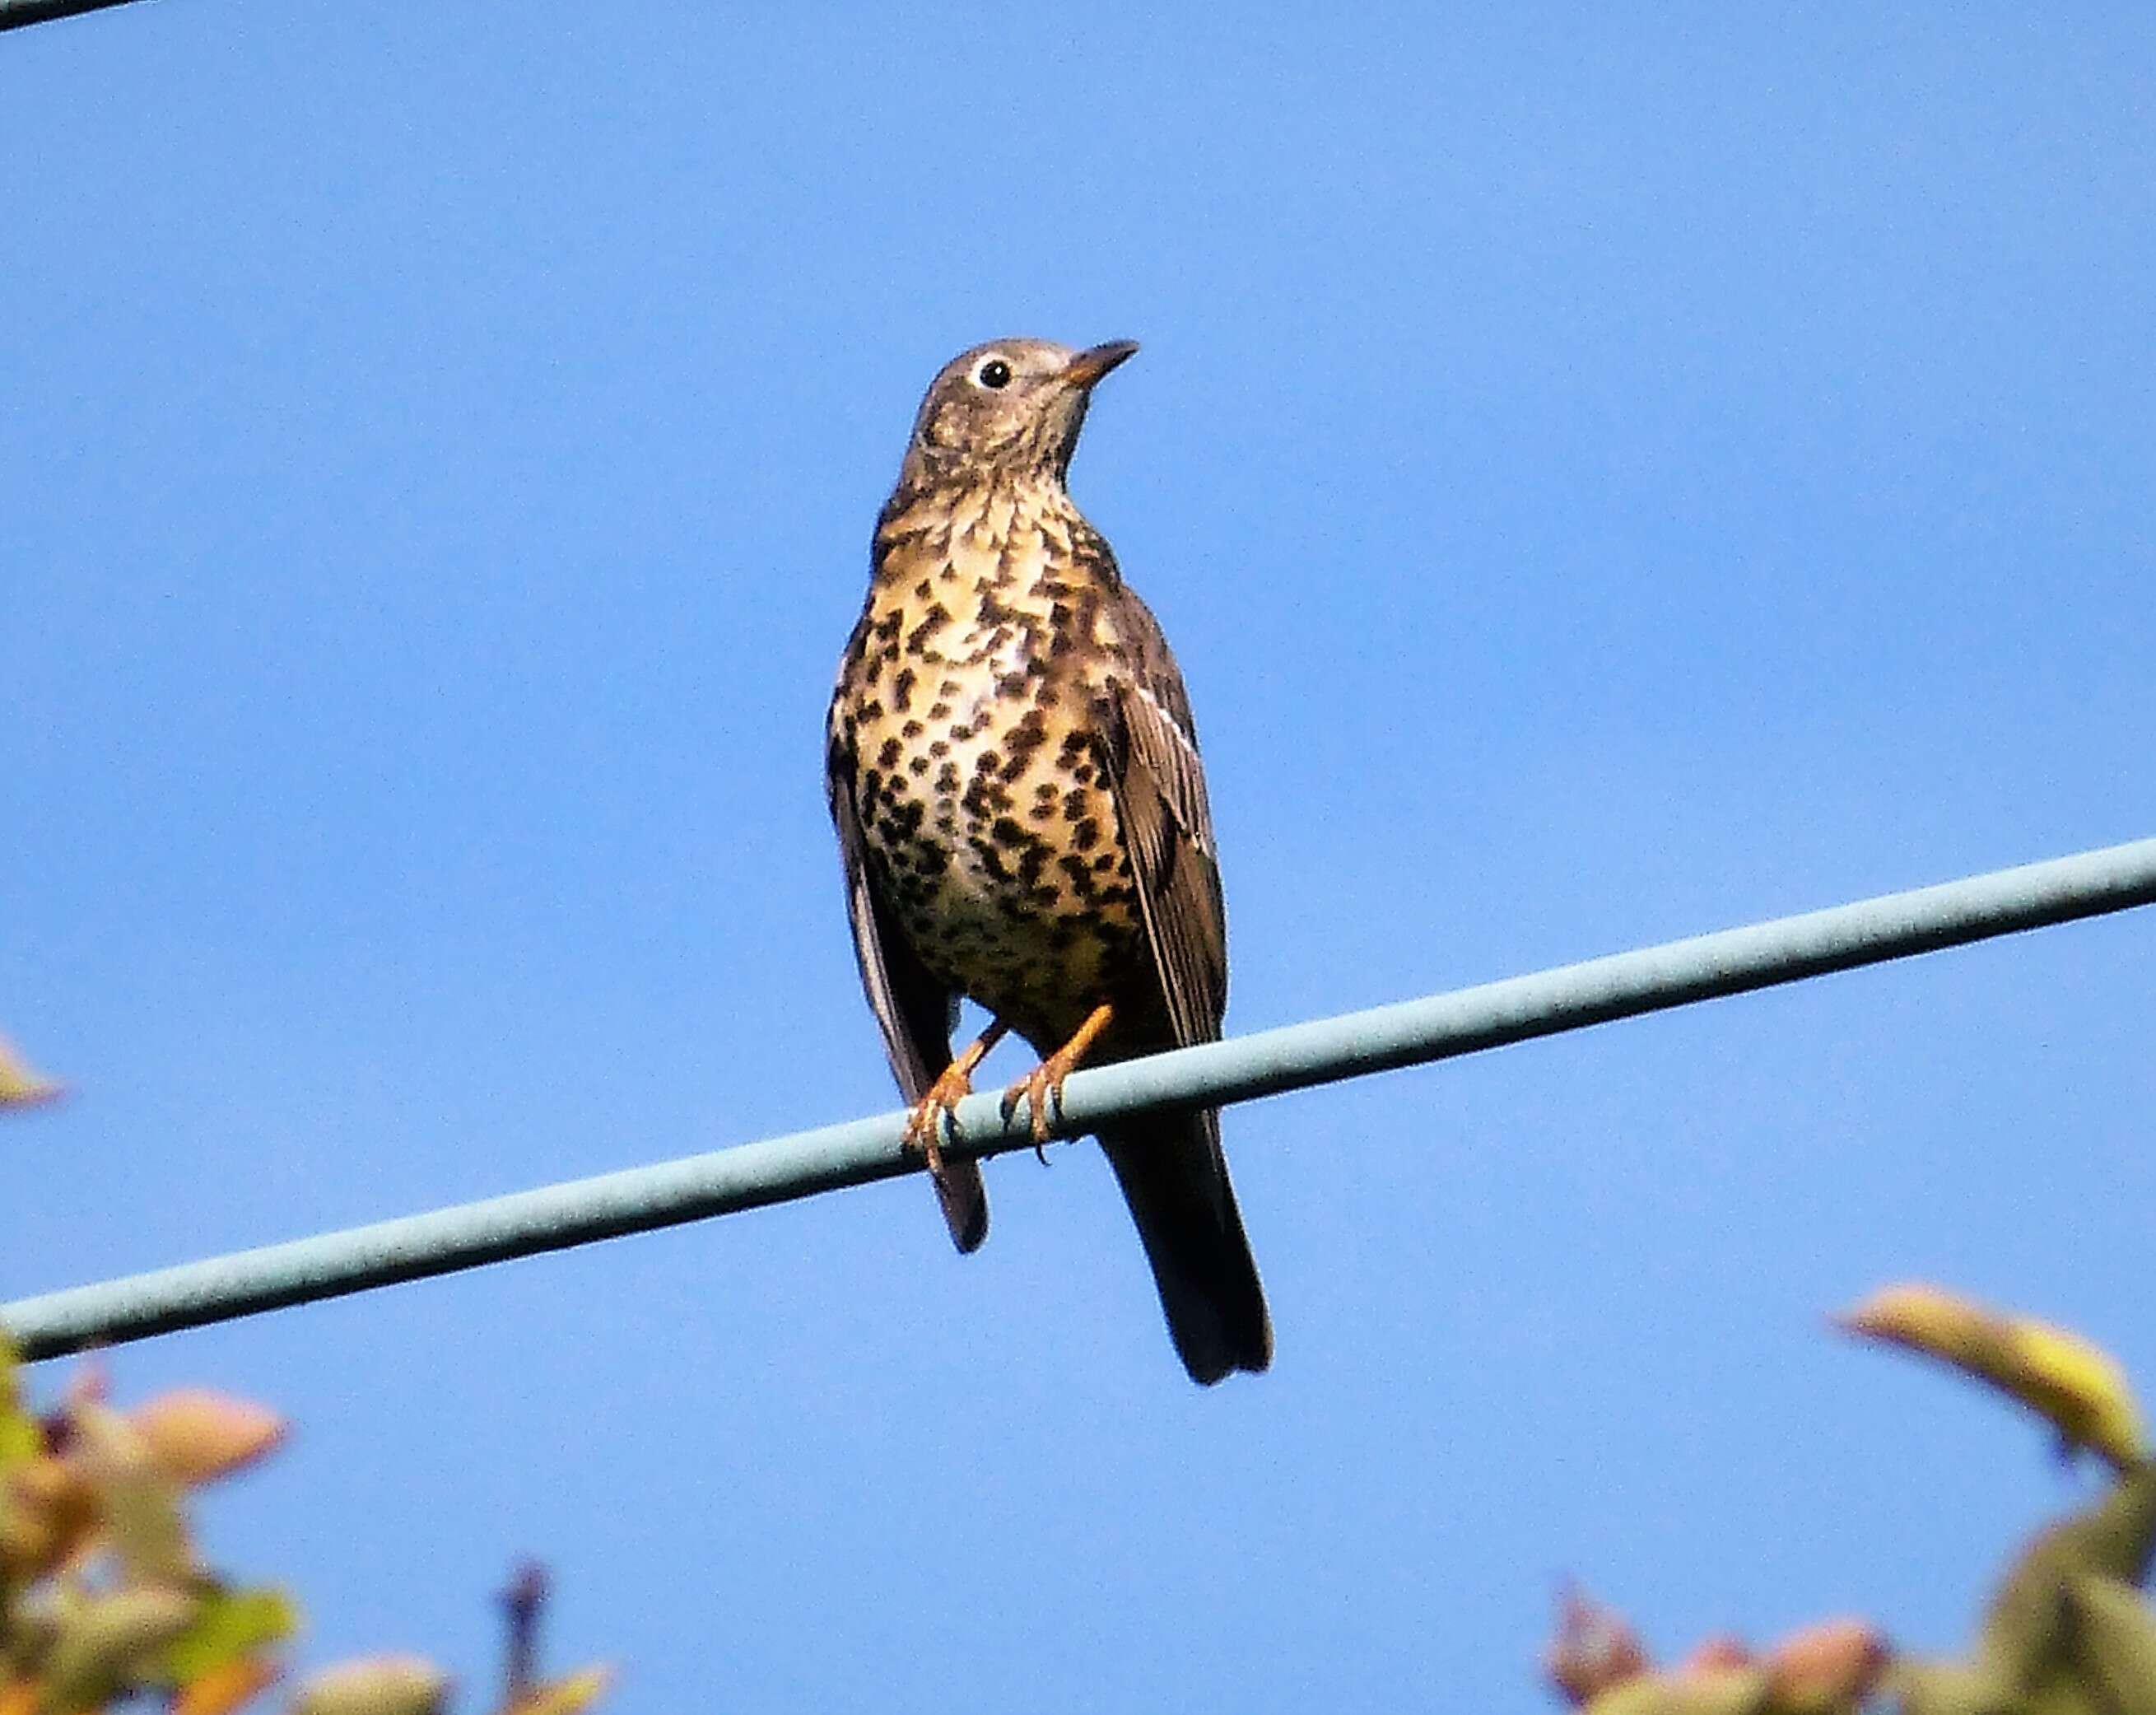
<point x="993" y="373"/>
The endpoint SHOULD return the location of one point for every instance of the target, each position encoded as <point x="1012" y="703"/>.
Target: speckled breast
<point x="979" y="786"/>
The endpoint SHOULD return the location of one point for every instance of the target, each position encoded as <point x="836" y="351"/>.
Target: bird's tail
<point x="965" y="1202"/>
<point x="1175" y="1179"/>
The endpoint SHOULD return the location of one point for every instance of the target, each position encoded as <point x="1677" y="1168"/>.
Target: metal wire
<point x="15" y="13"/>
<point x="1324" y="1050"/>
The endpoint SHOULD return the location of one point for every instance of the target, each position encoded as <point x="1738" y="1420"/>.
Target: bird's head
<point x="1010" y="407"/>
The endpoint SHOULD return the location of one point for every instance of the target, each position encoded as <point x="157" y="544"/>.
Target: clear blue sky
<point x="1604" y="479"/>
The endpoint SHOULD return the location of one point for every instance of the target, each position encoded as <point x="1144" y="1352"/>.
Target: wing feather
<point x="1152" y="765"/>
<point x="915" y="1012"/>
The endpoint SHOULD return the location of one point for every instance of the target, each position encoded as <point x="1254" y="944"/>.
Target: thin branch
<point x="522" y="1606"/>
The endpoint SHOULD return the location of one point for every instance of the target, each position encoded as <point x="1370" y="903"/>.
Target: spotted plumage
<point x="1014" y="776"/>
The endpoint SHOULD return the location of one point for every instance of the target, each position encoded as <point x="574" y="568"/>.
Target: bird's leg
<point x="924" y="1125"/>
<point x="1043" y="1085"/>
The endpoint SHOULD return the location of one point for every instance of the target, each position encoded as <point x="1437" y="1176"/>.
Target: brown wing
<point x="1171" y="1167"/>
<point x="915" y="1012"/>
<point x="1151" y="753"/>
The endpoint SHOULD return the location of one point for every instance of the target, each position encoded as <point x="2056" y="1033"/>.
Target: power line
<point x="1295" y="1057"/>
<point x="15" y="13"/>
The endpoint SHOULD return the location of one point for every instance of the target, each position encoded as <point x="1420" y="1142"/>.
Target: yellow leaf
<point x="50" y="1514"/>
<point x="567" y="1696"/>
<point x="140" y="1504"/>
<point x="380" y="1685"/>
<point x="2075" y="1383"/>
<point x="197" y="1436"/>
<point x="21" y="1437"/>
<point x="19" y="1085"/>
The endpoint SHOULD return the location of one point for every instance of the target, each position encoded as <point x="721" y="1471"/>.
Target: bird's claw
<point x="926" y="1125"/>
<point x="1041" y="1090"/>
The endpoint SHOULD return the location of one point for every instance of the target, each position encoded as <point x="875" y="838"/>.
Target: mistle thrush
<point x="1019" y="802"/>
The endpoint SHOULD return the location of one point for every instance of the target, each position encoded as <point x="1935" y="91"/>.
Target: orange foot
<point x="924" y="1125"/>
<point x="1041" y="1089"/>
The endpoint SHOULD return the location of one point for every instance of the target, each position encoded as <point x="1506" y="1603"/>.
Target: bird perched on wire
<point x="1014" y="776"/>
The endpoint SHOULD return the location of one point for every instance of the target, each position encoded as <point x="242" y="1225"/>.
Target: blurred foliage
<point x="2068" y="1631"/>
<point x="2077" y="1386"/>
<point x="19" y="1085"/>
<point x="104" y="1597"/>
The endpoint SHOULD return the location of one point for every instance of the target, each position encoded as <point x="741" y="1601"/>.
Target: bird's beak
<point x="1090" y="364"/>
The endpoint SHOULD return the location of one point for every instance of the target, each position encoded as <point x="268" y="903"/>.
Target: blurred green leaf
<point x="1923" y="1687"/>
<point x="2026" y="1630"/>
<point x="224" y="1687"/>
<point x="105" y="1641"/>
<point x="22" y="1437"/>
<point x="2114" y="1644"/>
<point x="230" y="1624"/>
